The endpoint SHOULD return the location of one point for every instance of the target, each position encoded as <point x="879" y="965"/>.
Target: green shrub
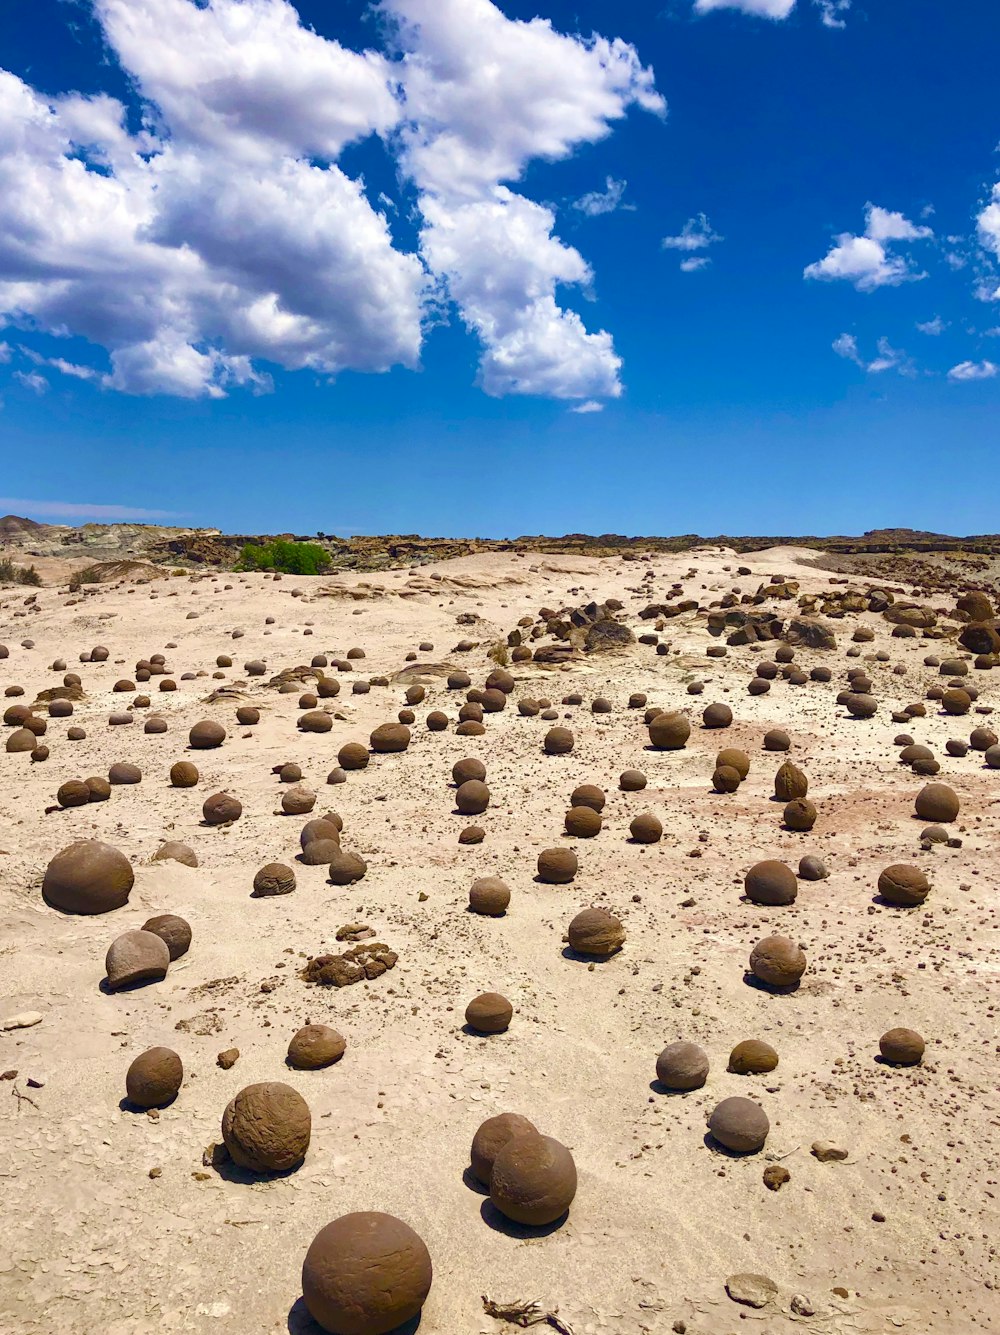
<point x="500" y="654"/>
<point x="291" y="558"/>
<point x="14" y="574"/>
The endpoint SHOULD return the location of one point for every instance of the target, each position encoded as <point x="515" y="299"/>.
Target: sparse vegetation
<point x="500" y="654"/>
<point x="291" y="558"/>
<point x="15" y="574"/>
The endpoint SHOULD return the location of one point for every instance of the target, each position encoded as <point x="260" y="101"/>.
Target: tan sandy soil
<point x="92" y="1243"/>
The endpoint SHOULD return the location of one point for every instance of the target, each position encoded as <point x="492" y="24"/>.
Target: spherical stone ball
<point x="100" y="789"/>
<point x="464" y="770"/>
<point x="682" y="1066"/>
<point x="459" y="681"/>
<point x="322" y="827"/>
<point x="790" y="783"/>
<point x="221" y="809"/>
<point x="631" y="781"/>
<point x="584" y="822"/>
<point x="472" y="834"/>
<point x="320" y="852"/>
<point x="799" y="815"/>
<point x="489" y="1013"/>
<point x="772" y="883"/>
<point x="558" y="742"/>
<point x="860" y="705"/>
<point x="589" y="795"/>
<point x="956" y="701"/>
<point x="902" y="1047"/>
<point x="777" y="961"/>
<point x="938" y="803"/>
<point x="758" y="686"/>
<point x="533" y="1180"/>
<point x="732" y="758"/>
<point x="752" y="1057"/>
<point x="471" y="713"/>
<point x="297" y="801"/>
<point x="255" y="668"/>
<point x="669" y="732"/>
<point x="596" y="932"/>
<point x="725" y="779"/>
<point x="926" y="769"/>
<point x="352" y="755"/>
<point x="88" y="877"/>
<point x="315" y="1046"/>
<point x="992" y="757"/>
<point x="21" y="740"/>
<point x="489" y="896"/>
<point x="491" y="1137"/>
<point x="500" y="680"/>
<point x="493" y="701"/>
<point x="206" y="735"/>
<point x="811" y="868"/>
<point x="173" y="930"/>
<point x="389" y="738"/>
<point x="327" y="688"/>
<point x="472" y="798"/>
<point x="136" y="957"/>
<point x="154" y="1078"/>
<point x="646" y="828"/>
<point x="124" y="773"/>
<point x="557" y="866"/>
<point x="73" y="793"/>
<point x="344" y="868"/>
<point x="527" y="708"/>
<point x="910" y="754"/>
<point x="601" y="706"/>
<point x="717" y="716"/>
<point x="981" y="739"/>
<point x="60" y="708"/>
<point x="247" y="716"/>
<point x="16" y="715"/>
<point x="365" y="1274"/>
<point x="437" y="721"/>
<point x="316" y="720"/>
<point x="174" y="851"/>
<point x="290" y="773"/>
<point x="903" y="885"/>
<point x="183" y="774"/>
<point x="40" y="753"/>
<point x="266" y="1128"/>
<point x="414" y="694"/>
<point x="777" y="740"/>
<point x="307" y="700"/>
<point x="820" y="674"/>
<point x="76" y="734"/>
<point x="740" y="1125"/>
<point x="274" y="878"/>
<point x="155" y="725"/>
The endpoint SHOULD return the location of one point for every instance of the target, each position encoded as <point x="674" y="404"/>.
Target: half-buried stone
<point x="88" y="877"/>
<point x="903" y="886"/>
<point x="489" y="1013"/>
<point x="314" y="1047"/>
<point x="174" y="931"/>
<point x="752" y="1057"/>
<point x="136" y="957"/>
<point x="771" y="883"/>
<point x="273" y="879"/>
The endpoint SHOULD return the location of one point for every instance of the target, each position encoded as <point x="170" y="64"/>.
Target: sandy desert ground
<point x="113" y="1223"/>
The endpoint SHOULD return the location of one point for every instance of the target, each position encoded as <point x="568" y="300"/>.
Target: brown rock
<point x="491" y="1137"/>
<point x="682" y="1066"/>
<point x="154" y="1078"/>
<point x="365" y="1274"/>
<point x="533" y="1180"/>
<point x="740" y="1125"/>
<point x="597" y="932"/>
<point x="266" y="1128"/>
<point x="136" y="957"/>
<point x="88" y="877"/>
<point x="175" y="932"/>
<point x="489" y="1013"/>
<point x="315" y="1046"/>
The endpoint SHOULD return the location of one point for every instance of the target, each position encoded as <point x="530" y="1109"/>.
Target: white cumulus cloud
<point x="887" y="357"/>
<point x="608" y="200"/>
<point x="765" y="9"/>
<point x="832" y="12"/>
<point x="866" y="261"/>
<point x="983" y="370"/>
<point x="225" y="233"/>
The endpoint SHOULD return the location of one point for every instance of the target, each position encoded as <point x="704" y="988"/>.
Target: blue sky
<point x="275" y="284"/>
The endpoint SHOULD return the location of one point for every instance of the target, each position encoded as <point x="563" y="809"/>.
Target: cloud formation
<point x="608" y="200"/>
<point x="696" y="234"/>
<point x="887" y="357"/>
<point x="983" y="370"/>
<point x="765" y="9"/>
<point x="224" y="234"/>
<point x="867" y="261"/>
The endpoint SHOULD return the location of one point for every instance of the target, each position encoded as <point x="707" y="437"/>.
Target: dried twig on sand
<point x="525" y="1315"/>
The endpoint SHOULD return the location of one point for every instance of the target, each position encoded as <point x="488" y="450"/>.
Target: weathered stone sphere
<point x="136" y="957"/>
<point x="584" y="822"/>
<point x="320" y="851"/>
<point x="298" y="801"/>
<point x="489" y="1013"/>
<point x="938" y="803"/>
<point x="730" y="757"/>
<point x="493" y="701"/>
<point x="321" y="827"/>
<point x="155" y="725"/>
<point x="558" y="742"/>
<point x="557" y="866"/>
<point x="799" y="815"/>
<point x="533" y="1180"/>
<point x="631" y="781"/>
<point x="389" y="738"/>
<point x="174" y="851"/>
<point x="221" y="809"/>
<point x="903" y="885"/>
<point x="175" y="932"/>
<point x="777" y="961"/>
<point x="73" y="793"/>
<point x="472" y="798"/>
<point x="88" y="877"/>
<point x="669" y="732"/>
<point x="437" y="721"/>
<point x="740" y="1125"/>
<point x="315" y="1046"/>
<point x="344" y="868"/>
<point x="772" y="883"/>
<point x="902" y="1047"/>
<point x="154" y="1078"/>
<point x="646" y="828"/>
<point x="725" y="779"/>
<point x="758" y="686"/>
<point x="206" y="735"/>
<point x="752" y="1057"/>
<point x="956" y="701"/>
<point x="717" y="716"/>
<point x="99" y="788"/>
<point x="21" y="740"/>
<point x="365" y="1274"/>
<point x="596" y="932"/>
<point x="183" y="774"/>
<point x="491" y="1137"/>
<point x="489" y="896"/>
<point x="121" y="772"/>
<point x="981" y="739"/>
<point x="777" y="740"/>
<point x="470" y="768"/>
<point x="274" y="878"/>
<point x="790" y="783"/>
<point x="352" y="755"/>
<point x="992" y="757"/>
<point x="589" y="795"/>
<point x="316" y="720"/>
<point x="266" y="1128"/>
<point x="811" y="868"/>
<point x="472" y="834"/>
<point x="682" y="1066"/>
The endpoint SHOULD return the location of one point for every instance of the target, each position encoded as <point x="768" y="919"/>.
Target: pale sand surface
<point x="91" y="1243"/>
